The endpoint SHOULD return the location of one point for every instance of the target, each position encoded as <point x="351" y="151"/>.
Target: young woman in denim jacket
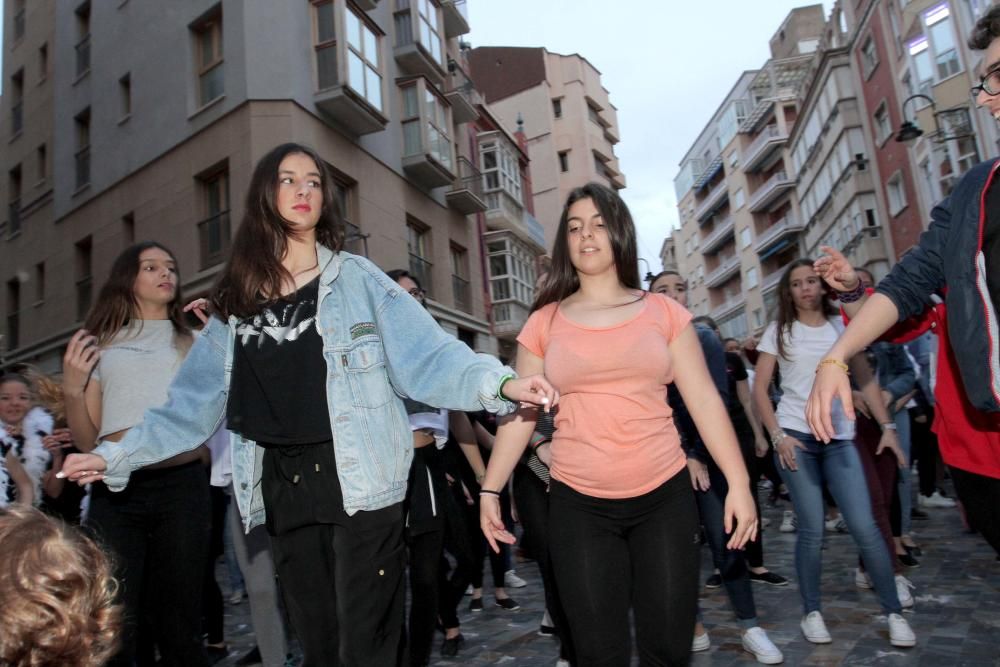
<point x="308" y="353"/>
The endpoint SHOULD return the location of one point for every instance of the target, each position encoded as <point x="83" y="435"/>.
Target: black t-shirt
<point x="277" y="394"/>
<point x="991" y="244"/>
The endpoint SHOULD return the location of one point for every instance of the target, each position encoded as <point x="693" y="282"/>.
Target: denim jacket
<point x="379" y="345"/>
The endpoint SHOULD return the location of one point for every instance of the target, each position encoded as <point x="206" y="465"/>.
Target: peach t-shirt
<point x="615" y="435"/>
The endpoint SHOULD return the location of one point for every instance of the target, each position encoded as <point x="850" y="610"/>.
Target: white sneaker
<point x="562" y="663"/>
<point x="787" y="522"/>
<point x="814" y="628"/>
<point x="903" y="586"/>
<point x="468" y="589"/>
<point x="935" y="500"/>
<point x="764" y="521"/>
<point x="836" y="525"/>
<point x="511" y="580"/>
<point x="861" y="579"/>
<point x="756" y="641"/>
<point x="701" y="643"/>
<point x="900" y="633"/>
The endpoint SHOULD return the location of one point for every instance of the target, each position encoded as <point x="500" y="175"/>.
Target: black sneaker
<point x="546" y="630"/>
<point x="908" y="560"/>
<point x="216" y="654"/>
<point x="714" y="581"/>
<point x="449" y="647"/>
<point x="250" y="658"/>
<point x="918" y="514"/>
<point x="476" y="605"/>
<point x="507" y="603"/>
<point x="769" y="578"/>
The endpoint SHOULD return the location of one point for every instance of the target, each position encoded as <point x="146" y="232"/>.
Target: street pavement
<point x="956" y="616"/>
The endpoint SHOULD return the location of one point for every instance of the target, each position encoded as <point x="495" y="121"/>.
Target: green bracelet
<point x="503" y="381"/>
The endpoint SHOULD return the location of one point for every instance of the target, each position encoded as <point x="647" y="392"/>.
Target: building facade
<point x="164" y="108"/>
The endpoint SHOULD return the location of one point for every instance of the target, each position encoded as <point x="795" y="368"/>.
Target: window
<point x="43" y="62"/>
<point x="428" y="24"/>
<point x="426" y="123"/>
<point x="19" y="18"/>
<point x="125" y="97"/>
<point x="326" y="47"/>
<point x="83" y="39"/>
<point x="460" y="277"/>
<point x="84" y="274"/>
<point x="208" y="56"/>
<point x="39" y="282"/>
<point x="564" y="161"/>
<point x="512" y="271"/>
<point x="14" y="202"/>
<point x="968" y="154"/>
<point x="500" y="167"/>
<point x="347" y="192"/>
<point x="13" y="313"/>
<point x="883" y="125"/>
<point x="17" y="102"/>
<point x="128" y="229"/>
<point x="594" y="115"/>
<point x="752" y="279"/>
<point x="42" y="162"/>
<point x="746" y="238"/>
<point x="922" y="67"/>
<point x="213" y="230"/>
<point x="82" y="156"/>
<point x="557" y="107"/>
<point x="418" y="245"/>
<point x="739" y="198"/>
<point x="869" y="56"/>
<point x="942" y="37"/>
<point x="758" y="318"/>
<point x="897" y="193"/>
<point x="363" y="73"/>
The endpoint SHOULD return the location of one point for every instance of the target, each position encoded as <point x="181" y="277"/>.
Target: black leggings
<point x="980" y="496"/>
<point x="640" y="553"/>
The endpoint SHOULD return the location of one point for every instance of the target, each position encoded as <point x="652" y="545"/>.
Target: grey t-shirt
<point x="135" y="369"/>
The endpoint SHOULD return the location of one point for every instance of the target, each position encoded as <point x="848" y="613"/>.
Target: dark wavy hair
<point x="786" y="313"/>
<point x="562" y="279"/>
<point x="116" y="305"/>
<point x="987" y="29"/>
<point x="254" y="272"/>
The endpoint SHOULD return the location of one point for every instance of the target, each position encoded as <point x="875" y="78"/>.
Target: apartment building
<point x="566" y="114"/>
<point x="740" y="220"/>
<point x="164" y="108"/>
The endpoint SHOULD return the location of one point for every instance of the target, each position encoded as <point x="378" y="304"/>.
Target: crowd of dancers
<point x="326" y="427"/>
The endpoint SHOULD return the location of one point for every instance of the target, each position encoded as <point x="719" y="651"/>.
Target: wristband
<point x="889" y="426"/>
<point x="488" y="492"/>
<point x="777" y="437"/>
<point x="504" y="380"/>
<point x="537" y="441"/>
<point x="835" y="362"/>
<point x="853" y="295"/>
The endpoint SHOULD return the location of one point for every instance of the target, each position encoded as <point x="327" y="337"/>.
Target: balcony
<point x="466" y="194"/>
<point x="83" y="56"/>
<point x="460" y="289"/>
<point x="456" y="17"/>
<point x="727" y="307"/>
<point x="536" y="232"/>
<point x="421" y="269"/>
<point x="866" y="248"/>
<point x="427" y="156"/>
<point x="14" y="217"/>
<point x="716" y="197"/>
<point x="214" y="240"/>
<point x="417" y="51"/>
<point x="461" y="94"/>
<point x="340" y="101"/>
<point x="770" y="191"/>
<point x="763" y="147"/>
<point x="778" y="235"/>
<point x="16" y="118"/>
<point x="771" y="280"/>
<point x="726" y="269"/>
<point x="723" y="231"/>
<point x="508" y="318"/>
<point x="366" y="5"/>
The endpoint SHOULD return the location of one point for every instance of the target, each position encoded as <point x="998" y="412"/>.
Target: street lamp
<point x="649" y="274"/>
<point x="955" y="118"/>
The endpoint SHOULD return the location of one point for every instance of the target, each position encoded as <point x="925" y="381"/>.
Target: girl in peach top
<point x="623" y="524"/>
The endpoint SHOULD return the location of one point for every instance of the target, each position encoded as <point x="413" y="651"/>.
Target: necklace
<point x="306" y="270"/>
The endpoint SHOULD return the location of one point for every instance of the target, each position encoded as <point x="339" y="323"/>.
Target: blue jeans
<point x="904" y="483"/>
<point x="837" y="465"/>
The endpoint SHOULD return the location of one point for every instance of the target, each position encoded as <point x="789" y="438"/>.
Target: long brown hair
<point x="116" y="306"/>
<point x="562" y="280"/>
<point x="787" y="314"/>
<point x="254" y="272"/>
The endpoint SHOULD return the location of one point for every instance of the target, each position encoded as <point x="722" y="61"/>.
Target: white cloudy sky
<point x="667" y="64"/>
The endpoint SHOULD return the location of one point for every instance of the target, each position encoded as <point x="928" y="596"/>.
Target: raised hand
<point x="200" y="309"/>
<point x="835" y="270"/>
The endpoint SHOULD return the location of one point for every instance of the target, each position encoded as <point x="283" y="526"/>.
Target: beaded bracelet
<point x="853" y="295"/>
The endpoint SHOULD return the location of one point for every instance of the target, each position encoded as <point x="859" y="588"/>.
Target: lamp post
<point x="649" y="274"/>
<point x="956" y="117"/>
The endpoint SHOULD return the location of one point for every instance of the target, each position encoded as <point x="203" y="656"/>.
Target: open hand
<point x="836" y="270"/>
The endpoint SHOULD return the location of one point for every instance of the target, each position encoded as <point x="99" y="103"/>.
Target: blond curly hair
<point x="58" y="594"/>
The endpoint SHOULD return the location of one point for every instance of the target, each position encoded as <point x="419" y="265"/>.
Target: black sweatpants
<point x="980" y="496"/>
<point x="341" y="576"/>
<point x="640" y="553"/>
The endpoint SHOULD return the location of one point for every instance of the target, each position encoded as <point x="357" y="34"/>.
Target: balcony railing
<point x="83" y="55"/>
<point x="771" y="280"/>
<point x="726" y="269"/>
<point x="83" y="167"/>
<point x="17" y="117"/>
<point x="456" y="17"/>
<point x="421" y="268"/>
<point x="770" y="137"/>
<point x="509" y="317"/>
<point x="728" y="306"/>
<point x="13" y="326"/>
<point x="722" y="231"/>
<point x="767" y="192"/>
<point x="535" y="230"/>
<point x="214" y="239"/>
<point x="460" y="288"/>
<point x="14" y="217"/>
<point x="713" y="201"/>
<point x="466" y="194"/>
<point x="785" y="226"/>
<point x="461" y="93"/>
<point x="84" y="295"/>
